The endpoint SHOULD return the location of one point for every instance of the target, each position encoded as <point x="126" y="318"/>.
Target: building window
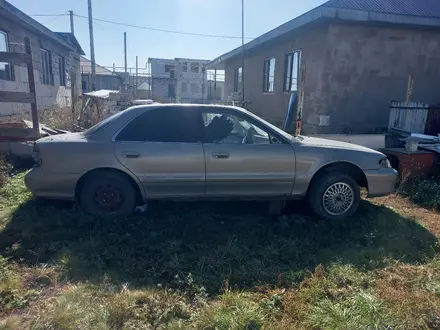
<point x="84" y="86"/>
<point x="238" y="76"/>
<point x="6" y="69"/>
<point x="194" y="67"/>
<point x="269" y="75"/>
<point x="171" y="91"/>
<point x="184" y="87"/>
<point x="292" y="71"/>
<point x="185" y="67"/>
<point x="169" y="67"/>
<point x="62" y="70"/>
<point x="46" y="71"/>
<point x="195" y="88"/>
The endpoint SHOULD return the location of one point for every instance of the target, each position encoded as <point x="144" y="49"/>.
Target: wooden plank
<point x="15" y="133"/>
<point x="15" y="58"/>
<point x="30" y="70"/>
<point x="17" y="97"/>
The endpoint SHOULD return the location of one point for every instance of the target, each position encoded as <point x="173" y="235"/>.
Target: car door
<point x="163" y="148"/>
<point x="244" y="158"/>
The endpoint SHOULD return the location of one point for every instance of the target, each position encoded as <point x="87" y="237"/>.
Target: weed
<point x="232" y="311"/>
<point x="215" y="266"/>
<point x="425" y="192"/>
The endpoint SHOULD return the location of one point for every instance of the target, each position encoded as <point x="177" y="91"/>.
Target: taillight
<point x="36" y="154"/>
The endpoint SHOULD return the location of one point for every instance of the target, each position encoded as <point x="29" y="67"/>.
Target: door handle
<point x="131" y="155"/>
<point x="220" y="155"/>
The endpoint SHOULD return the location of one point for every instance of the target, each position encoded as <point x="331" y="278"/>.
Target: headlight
<point x="385" y="163"/>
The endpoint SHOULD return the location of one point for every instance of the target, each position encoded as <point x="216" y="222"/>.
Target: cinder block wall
<point x="47" y="95"/>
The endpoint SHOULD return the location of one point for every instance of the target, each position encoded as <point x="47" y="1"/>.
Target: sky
<point x="215" y="17"/>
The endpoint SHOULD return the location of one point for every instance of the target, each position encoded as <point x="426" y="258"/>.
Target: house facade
<point x="104" y="78"/>
<point x="56" y="59"/>
<point x="355" y="57"/>
<point x="179" y="80"/>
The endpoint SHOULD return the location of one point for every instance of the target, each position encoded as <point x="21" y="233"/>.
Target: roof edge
<point x="324" y="11"/>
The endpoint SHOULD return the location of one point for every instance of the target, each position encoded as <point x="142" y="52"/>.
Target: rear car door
<point x="244" y="158"/>
<point x="163" y="148"/>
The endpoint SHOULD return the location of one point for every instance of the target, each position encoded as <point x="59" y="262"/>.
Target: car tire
<point x="334" y="196"/>
<point x="108" y="193"/>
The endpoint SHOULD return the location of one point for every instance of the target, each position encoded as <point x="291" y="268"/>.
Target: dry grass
<point x="201" y="266"/>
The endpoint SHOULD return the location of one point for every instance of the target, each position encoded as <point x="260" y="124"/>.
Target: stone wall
<point x="47" y="95"/>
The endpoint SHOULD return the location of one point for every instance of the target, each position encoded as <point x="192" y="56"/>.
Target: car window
<point x="232" y="129"/>
<point x="163" y="125"/>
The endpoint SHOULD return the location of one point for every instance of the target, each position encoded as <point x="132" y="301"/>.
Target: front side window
<point x="269" y="75"/>
<point x="6" y="69"/>
<point x="292" y="71"/>
<point x="46" y="72"/>
<point x="171" y="90"/>
<point x="225" y="128"/>
<point x="163" y="125"/>
<point x="238" y="76"/>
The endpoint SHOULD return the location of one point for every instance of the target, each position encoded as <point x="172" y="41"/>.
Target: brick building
<point x="56" y="58"/>
<point x="357" y="56"/>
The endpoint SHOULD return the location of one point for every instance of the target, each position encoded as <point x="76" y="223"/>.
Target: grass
<point x="216" y="266"/>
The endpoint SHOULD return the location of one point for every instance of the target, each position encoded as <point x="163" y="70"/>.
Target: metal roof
<point x="406" y="12"/>
<point x="426" y="8"/>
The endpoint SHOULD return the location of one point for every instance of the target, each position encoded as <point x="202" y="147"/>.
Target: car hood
<point x="68" y="137"/>
<point x="317" y="142"/>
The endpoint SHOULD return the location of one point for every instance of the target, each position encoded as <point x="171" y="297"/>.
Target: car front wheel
<point x="108" y="193"/>
<point x="335" y="196"/>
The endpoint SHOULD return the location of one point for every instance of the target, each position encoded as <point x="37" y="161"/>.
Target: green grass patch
<point x="211" y="266"/>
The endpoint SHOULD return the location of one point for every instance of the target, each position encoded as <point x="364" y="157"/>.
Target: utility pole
<point x="242" y="52"/>
<point x="136" y="80"/>
<point x="92" y="45"/>
<point x="125" y="51"/>
<point x="72" y="27"/>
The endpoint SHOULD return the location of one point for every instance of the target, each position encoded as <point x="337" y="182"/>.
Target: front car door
<point x="163" y="148"/>
<point x="244" y="158"/>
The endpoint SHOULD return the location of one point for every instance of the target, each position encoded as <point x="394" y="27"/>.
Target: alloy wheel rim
<point x="338" y="198"/>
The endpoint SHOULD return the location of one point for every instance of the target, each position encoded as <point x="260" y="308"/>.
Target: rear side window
<point x="164" y="125"/>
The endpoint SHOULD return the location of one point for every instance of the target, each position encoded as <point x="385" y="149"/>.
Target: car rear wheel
<point x="335" y="196"/>
<point x="107" y="193"/>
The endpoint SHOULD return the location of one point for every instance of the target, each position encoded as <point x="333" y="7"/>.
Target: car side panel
<point x="311" y="159"/>
<point x="165" y="169"/>
<point x="249" y="170"/>
<point x="65" y="162"/>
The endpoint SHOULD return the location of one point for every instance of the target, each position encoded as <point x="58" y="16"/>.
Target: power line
<point x="48" y="15"/>
<point x="163" y="30"/>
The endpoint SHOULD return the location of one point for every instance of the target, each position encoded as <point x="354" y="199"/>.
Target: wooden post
<point x="300" y="103"/>
<point x="410" y="88"/>
<point x="30" y="70"/>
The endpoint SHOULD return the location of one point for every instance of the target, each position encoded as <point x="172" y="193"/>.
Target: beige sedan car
<point x="203" y="152"/>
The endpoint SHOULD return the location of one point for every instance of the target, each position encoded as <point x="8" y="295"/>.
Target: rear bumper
<point x="51" y="185"/>
<point x="381" y="182"/>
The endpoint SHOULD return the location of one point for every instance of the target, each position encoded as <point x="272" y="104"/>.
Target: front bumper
<point x="51" y="185"/>
<point x="381" y="182"/>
